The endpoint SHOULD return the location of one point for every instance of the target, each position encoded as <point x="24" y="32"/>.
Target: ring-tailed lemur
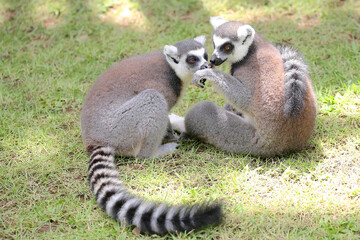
<point x="126" y="113"/>
<point x="272" y="103"/>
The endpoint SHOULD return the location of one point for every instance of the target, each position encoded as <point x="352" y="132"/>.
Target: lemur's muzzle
<point x="216" y="61"/>
<point x="205" y="65"/>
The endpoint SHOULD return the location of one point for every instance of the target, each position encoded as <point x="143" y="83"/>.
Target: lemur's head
<point x="186" y="57"/>
<point x="231" y="40"/>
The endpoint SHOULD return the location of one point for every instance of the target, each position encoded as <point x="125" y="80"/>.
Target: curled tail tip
<point x="170" y="219"/>
<point x="295" y="90"/>
<point x="291" y="112"/>
<point x="209" y="214"/>
<point x="162" y="219"/>
<point x="293" y="107"/>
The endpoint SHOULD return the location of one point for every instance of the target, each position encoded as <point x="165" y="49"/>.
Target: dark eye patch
<point x="206" y="56"/>
<point x="227" y="47"/>
<point x="191" y="59"/>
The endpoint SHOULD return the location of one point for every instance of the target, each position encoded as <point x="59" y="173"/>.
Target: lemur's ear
<point x="246" y="34"/>
<point x="201" y="39"/>
<point x="217" y="21"/>
<point x="171" y="52"/>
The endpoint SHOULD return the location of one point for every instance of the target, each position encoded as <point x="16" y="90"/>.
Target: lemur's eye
<point x="191" y="59"/>
<point x="227" y="47"/>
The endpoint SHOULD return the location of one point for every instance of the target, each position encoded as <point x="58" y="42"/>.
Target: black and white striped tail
<point x="296" y="74"/>
<point x="149" y="217"/>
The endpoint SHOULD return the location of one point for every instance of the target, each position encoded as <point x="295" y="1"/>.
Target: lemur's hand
<point x="200" y="77"/>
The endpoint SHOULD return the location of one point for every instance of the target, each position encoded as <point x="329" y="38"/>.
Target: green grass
<point x="52" y="51"/>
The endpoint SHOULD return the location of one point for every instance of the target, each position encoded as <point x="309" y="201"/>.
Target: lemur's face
<point x="224" y="49"/>
<point x="187" y="57"/>
<point x="231" y="40"/>
<point x="195" y="60"/>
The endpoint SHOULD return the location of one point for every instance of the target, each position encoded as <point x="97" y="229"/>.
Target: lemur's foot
<point x="177" y="123"/>
<point x="170" y="138"/>
<point x="184" y="136"/>
<point x="165" y="149"/>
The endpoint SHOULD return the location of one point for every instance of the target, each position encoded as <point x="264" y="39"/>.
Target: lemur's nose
<point x="213" y="59"/>
<point x="205" y="65"/>
<point x="216" y="61"/>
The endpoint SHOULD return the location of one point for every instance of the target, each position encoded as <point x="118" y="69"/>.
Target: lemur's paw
<point x="170" y="138"/>
<point x="200" y="78"/>
<point x="202" y="82"/>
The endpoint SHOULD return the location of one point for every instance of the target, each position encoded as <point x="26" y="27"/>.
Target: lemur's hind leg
<point x="140" y="125"/>
<point x="221" y="128"/>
